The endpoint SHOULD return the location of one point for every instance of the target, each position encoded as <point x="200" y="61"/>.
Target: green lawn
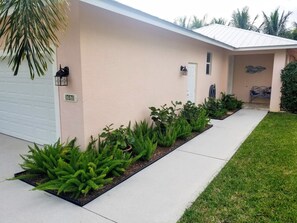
<point x="259" y="184"/>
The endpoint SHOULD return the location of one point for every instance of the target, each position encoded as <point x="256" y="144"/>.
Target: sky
<point x="171" y="9"/>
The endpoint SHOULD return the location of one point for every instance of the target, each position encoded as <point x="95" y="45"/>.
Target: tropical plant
<point x="221" y="21"/>
<point x="165" y="115"/>
<point x="201" y="121"/>
<point x="275" y="23"/>
<point x="182" y="22"/>
<point x="29" y="30"/>
<point x="196" y="23"/>
<point x="241" y="19"/>
<point x="230" y="102"/>
<point x="294" y="31"/>
<point x="190" y="23"/>
<point x="65" y="169"/>
<point x="43" y="161"/>
<point x="214" y="108"/>
<point x="183" y="128"/>
<point x="166" y="137"/>
<point x="120" y="137"/>
<point x="195" y="115"/>
<point x="145" y="140"/>
<point x="289" y="87"/>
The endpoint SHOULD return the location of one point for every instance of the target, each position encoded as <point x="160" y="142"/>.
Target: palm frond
<point x="29" y="29"/>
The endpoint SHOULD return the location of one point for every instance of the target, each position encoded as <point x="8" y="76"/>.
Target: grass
<point x="259" y="184"/>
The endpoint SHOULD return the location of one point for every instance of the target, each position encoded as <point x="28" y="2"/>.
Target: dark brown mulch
<point x="229" y="113"/>
<point x="133" y="169"/>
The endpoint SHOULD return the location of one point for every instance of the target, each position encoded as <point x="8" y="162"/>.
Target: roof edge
<point x="277" y="47"/>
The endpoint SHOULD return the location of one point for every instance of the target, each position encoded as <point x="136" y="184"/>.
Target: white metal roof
<point x="242" y="39"/>
<point x="226" y="37"/>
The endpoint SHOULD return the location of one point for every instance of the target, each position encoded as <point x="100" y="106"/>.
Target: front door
<point x="191" y="92"/>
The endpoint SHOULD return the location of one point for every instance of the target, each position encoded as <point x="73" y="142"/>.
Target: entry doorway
<point x="192" y="76"/>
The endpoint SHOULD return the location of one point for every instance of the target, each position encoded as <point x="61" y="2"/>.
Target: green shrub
<point x="289" y="87"/>
<point x="120" y="137"/>
<point x="183" y="128"/>
<point x="196" y="116"/>
<point x="166" y="137"/>
<point x="165" y="115"/>
<point x="230" y="102"/>
<point x="43" y="161"/>
<point x="145" y="140"/>
<point x="214" y="108"/>
<point x="68" y="170"/>
<point x="201" y="121"/>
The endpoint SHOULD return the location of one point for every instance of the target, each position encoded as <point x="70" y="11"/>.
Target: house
<point x="122" y="61"/>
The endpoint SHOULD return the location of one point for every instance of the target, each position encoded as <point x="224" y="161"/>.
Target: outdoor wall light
<point x="183" y="70"/>
<point x="61" y="78"/>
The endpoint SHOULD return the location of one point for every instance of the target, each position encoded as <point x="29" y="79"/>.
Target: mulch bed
<point x="229" y="113"/>
<point x="133" y="169"/>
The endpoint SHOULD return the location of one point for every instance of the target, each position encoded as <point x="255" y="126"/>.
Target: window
<point x="208" y="63"/>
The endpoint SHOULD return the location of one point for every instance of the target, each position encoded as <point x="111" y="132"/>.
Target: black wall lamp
<point x="61" y="78"/>
<point x="183" y="70"/>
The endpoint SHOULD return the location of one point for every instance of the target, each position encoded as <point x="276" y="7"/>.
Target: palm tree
<point x="29" y="30"/>
<point x="221" y="21"/>
<point x="294" y="31"/>
<point x="275" y="24"/>
<point x="182" y="21"/>
<point x="197" y="23"/>
<point x="241" y="19"/>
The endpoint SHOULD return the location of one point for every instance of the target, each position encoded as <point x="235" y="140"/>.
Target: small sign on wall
<point x="70" y="98"/>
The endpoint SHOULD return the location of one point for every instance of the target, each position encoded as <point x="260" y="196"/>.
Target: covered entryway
<point x="27" y="108"/>
<point x="258" y="77"/>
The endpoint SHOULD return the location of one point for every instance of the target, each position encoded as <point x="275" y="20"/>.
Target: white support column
<point x="278" y="64"/>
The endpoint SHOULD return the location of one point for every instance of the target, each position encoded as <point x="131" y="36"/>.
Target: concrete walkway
<point x="158" y="194"/>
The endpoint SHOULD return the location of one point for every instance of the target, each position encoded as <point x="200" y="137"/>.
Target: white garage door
<point x="27" y="108"/>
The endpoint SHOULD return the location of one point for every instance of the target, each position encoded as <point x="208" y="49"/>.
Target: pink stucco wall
<point x="120" y="67"/>
<point x="243" y="81"/>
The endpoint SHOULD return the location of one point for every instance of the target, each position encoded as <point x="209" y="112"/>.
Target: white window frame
<point x="208" y="63"/>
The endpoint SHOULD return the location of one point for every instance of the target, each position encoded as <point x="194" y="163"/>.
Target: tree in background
<point x="275" y="23"/>
<point x="221" y="21"/>
<point x="241" y="19"/>
<point x="294" y="31"/>
<point x="190" y="23"/>
<point x="182" y="22"/>
<point x="197" y="23"/>
<point x="29" y="30"/>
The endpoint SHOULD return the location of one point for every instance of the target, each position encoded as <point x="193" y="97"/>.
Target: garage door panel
<point x="27" y="108"/>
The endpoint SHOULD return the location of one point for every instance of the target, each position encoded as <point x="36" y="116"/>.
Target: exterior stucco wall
<point x="280" y="61"/>
<point x="68" y="54"/>
<point x="243" y="81"/>
<point x="127" y="66"/>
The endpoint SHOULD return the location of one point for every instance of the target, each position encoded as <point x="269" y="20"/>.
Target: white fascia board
<point x="280" y="47"/>
<point x="155" y="21"/>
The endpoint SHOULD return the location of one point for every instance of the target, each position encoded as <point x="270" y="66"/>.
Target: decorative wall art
<point x="254" y="69"/>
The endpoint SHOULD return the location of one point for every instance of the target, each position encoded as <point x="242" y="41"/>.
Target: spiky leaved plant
<point x="29" y="30"/>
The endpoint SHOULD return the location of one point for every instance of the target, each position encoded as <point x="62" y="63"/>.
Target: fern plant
<point x="145" y="140"/>
<point x="183" y="128"/>
<point x="196" y="116"/>
<point x="166" y="137"/>
<point x="43" y="161"/>
<point x="201" y="121"/>
<point x="214" y="108"/>
<point x="230" y="102"/>
<point x="66" y="169"/>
